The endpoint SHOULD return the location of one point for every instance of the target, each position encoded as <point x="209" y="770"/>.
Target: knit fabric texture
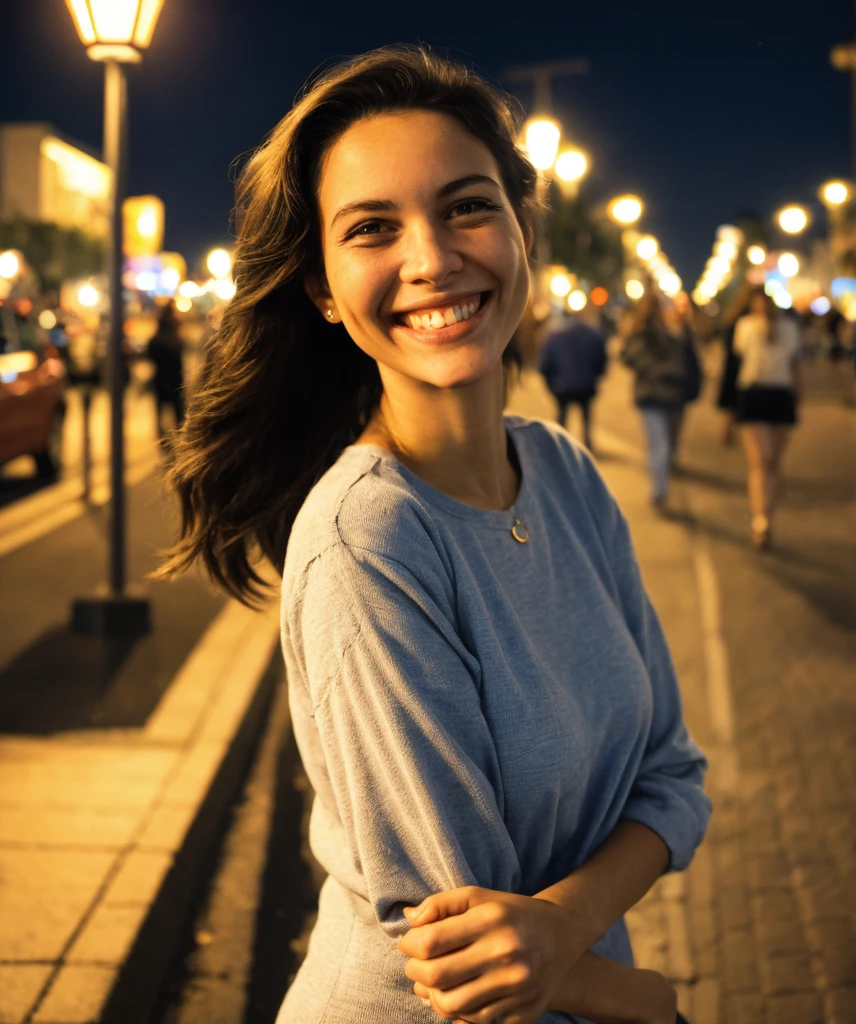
<point x="469" y="710"/>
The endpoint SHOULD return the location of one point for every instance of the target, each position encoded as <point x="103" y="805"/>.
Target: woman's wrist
<point x="613" y="993"/>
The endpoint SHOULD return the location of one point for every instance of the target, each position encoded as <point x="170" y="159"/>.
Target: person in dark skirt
<point x="768" y="389"/>
<point x="726" y="400"/>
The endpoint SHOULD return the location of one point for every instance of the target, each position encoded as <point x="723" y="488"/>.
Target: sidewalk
<point x="117" y="762"/>
<point x="760" y="929"/>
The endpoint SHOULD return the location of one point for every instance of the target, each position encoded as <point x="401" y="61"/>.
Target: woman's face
<point x="425" y="261"/>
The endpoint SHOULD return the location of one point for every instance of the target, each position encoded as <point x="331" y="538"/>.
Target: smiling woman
<point x="479" y="687"/>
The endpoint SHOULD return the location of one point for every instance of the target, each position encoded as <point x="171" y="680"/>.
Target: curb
<point x="209" y="719"/>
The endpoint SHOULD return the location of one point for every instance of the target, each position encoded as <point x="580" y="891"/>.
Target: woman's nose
<point x="430" y="255"/>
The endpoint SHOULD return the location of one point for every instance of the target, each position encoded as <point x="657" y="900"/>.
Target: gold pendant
<point x="519" y="531"/>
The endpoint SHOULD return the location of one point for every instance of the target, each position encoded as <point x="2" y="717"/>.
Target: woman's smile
<point x="441" y="324"/>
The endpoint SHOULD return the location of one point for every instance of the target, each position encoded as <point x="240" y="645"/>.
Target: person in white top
<point x="768" y="387"/>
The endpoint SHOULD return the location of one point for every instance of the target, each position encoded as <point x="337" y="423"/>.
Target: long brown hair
<point x="282" y="393"/>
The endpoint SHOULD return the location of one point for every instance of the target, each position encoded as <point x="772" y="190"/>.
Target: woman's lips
<point x="448" y="332"/>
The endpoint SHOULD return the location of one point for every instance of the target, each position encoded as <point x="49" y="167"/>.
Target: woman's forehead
<point x="399" y="152"/>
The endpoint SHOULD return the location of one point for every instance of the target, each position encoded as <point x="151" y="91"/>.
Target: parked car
<point x="32" y="408"/>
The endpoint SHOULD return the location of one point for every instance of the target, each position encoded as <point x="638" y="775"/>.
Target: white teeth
<point x="435" y="319"/>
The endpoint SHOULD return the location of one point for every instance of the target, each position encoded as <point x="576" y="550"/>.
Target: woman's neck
<point x="452" y="438"/>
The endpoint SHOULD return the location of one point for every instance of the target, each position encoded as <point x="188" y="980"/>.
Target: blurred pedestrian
<point x="165" y="350"/>
<point x="479" y="687"/>
<point x="768" y="392"/>
<point x="572" y="360"/>
<point x="657" y="353"/>
<point x="726" y="399"/>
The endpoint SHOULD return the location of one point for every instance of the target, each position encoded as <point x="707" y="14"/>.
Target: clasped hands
<point x="480" y="956"/>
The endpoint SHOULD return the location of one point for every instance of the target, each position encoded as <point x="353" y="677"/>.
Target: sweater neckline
<point x="502" y="519"/>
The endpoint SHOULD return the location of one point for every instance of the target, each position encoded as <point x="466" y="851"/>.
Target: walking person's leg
<point x="754" y="437"/>
<point x="779" y="437"/>
<point x="676" y="423"/>
<point x="585" y="409"/>
<point x="563" y="412"/>
<point x="657" y="429"/>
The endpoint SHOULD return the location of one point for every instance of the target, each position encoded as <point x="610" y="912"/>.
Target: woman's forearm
<point x="619" y="874"/>
<point x="612" y="993"/>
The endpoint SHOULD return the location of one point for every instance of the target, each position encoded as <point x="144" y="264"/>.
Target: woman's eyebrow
<point x="385" y="205"/>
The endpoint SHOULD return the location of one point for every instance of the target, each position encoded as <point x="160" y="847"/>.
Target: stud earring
<point x="330" y="313"/>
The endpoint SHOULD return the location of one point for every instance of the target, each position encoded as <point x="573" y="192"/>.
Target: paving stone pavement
<point x="762" y="927"/>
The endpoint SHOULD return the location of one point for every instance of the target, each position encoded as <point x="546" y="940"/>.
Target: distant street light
<point x="577" y="300"/>
<point x="9" y="265"/>
<point x="219" y="264"/>
<point x="635" y="289"/>
<point x="756" y="255"/>
<point x="625" y="210"/>
<point x="115" y="33"/>
<point x="789" y="265"/>
<point x="571" y="165"/>
<point x="541" y="140"/>
<point x="647" y="247"/>
<point x="560" y="285"/>
<point x="792" y="219"/>
<point x="834" y="193"/>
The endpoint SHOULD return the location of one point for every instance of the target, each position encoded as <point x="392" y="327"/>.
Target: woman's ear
<point x="528" y="235"/>
<point x="318" y="290"/>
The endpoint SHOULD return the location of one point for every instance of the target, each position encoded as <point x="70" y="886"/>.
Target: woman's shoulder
<point x="361" y="503"/>
<point x="551" y="455"/>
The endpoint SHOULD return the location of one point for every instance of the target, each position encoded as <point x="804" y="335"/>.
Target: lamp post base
<point x="105" y="614"/>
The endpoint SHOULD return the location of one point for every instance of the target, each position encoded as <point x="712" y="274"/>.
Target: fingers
<point x="442" y="905"/>
<point x="439" y="937"/>
<point x="444" y="972"/>
<point x="482" y="993"/>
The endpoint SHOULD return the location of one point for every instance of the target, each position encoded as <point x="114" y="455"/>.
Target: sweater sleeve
<point x="667" y="794"/>
<point x="410" y="759"/>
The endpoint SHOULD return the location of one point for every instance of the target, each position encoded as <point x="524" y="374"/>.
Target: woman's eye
<point x="471" y="206"/>
<point x="370" y="228"/>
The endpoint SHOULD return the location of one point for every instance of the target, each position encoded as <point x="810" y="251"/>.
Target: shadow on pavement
<point x="62" y="681"/>
<point x="14" y="488"/>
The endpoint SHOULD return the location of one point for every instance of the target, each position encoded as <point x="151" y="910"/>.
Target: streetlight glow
<point x="560" y="285"/>
<point x="9" y="265"/>
<point x="219" y="263"/>
<point x="789" y="265"/>
<point x="571" y="165"/>
<point x="542" y="143"/>
<point x="224" y="290"/>
<point x="647" y="247"/>
<point x="87" y="295"/>
<point x="670" y="283"/>
<point x="718" y="266"/>
<point x="635" y="289"/>
<point x="626" y="210"/>
<point x="577" y="300"/>
<point x="792" y="220"/>
<point x="834" y="193"/>
<point x="727" y="250"/>
<point x="115" y="29"/>
<point x="756" y="255"/>
<point x="47" y="319"/>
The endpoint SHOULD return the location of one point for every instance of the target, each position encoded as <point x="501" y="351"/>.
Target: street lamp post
<point x="115" y="34"/>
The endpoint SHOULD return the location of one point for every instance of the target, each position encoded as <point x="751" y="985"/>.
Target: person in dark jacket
<point x="165" y="351"/>
<point x="657" y="357"/>
<point x="573" y="358"/>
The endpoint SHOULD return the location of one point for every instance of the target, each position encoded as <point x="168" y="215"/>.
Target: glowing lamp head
<point x="635" y="289"/>
<point x="792" y="220"/>
<point x="834" y="193"/>
<point x="625" y="210"/>
<point x="756" y="255"/>
<point x="599" y="296"/>
<point x="541" y="141"/>
<point x="219" y="264"/>
<point x="115" y="29"/>
<point x="47" y="319"/>
<point x="560" y="285"/>
<point x="670" y="283"/>
<point x="87" y="295"/>
<point x="647" y="247"/>
<point x="10" y="265"/>
<point x="789" y="265"/>
<point x="571" y="165"/>
<point x="577" y="300"/>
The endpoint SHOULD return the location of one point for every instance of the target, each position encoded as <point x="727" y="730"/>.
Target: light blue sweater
<point x="469" y="710"/>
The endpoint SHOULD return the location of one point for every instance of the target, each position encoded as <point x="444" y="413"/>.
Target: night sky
<point x="705" y="116"/>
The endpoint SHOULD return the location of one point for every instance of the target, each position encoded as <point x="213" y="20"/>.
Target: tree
<point x="587" y="245"/>
<point x="54" y="252"/>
